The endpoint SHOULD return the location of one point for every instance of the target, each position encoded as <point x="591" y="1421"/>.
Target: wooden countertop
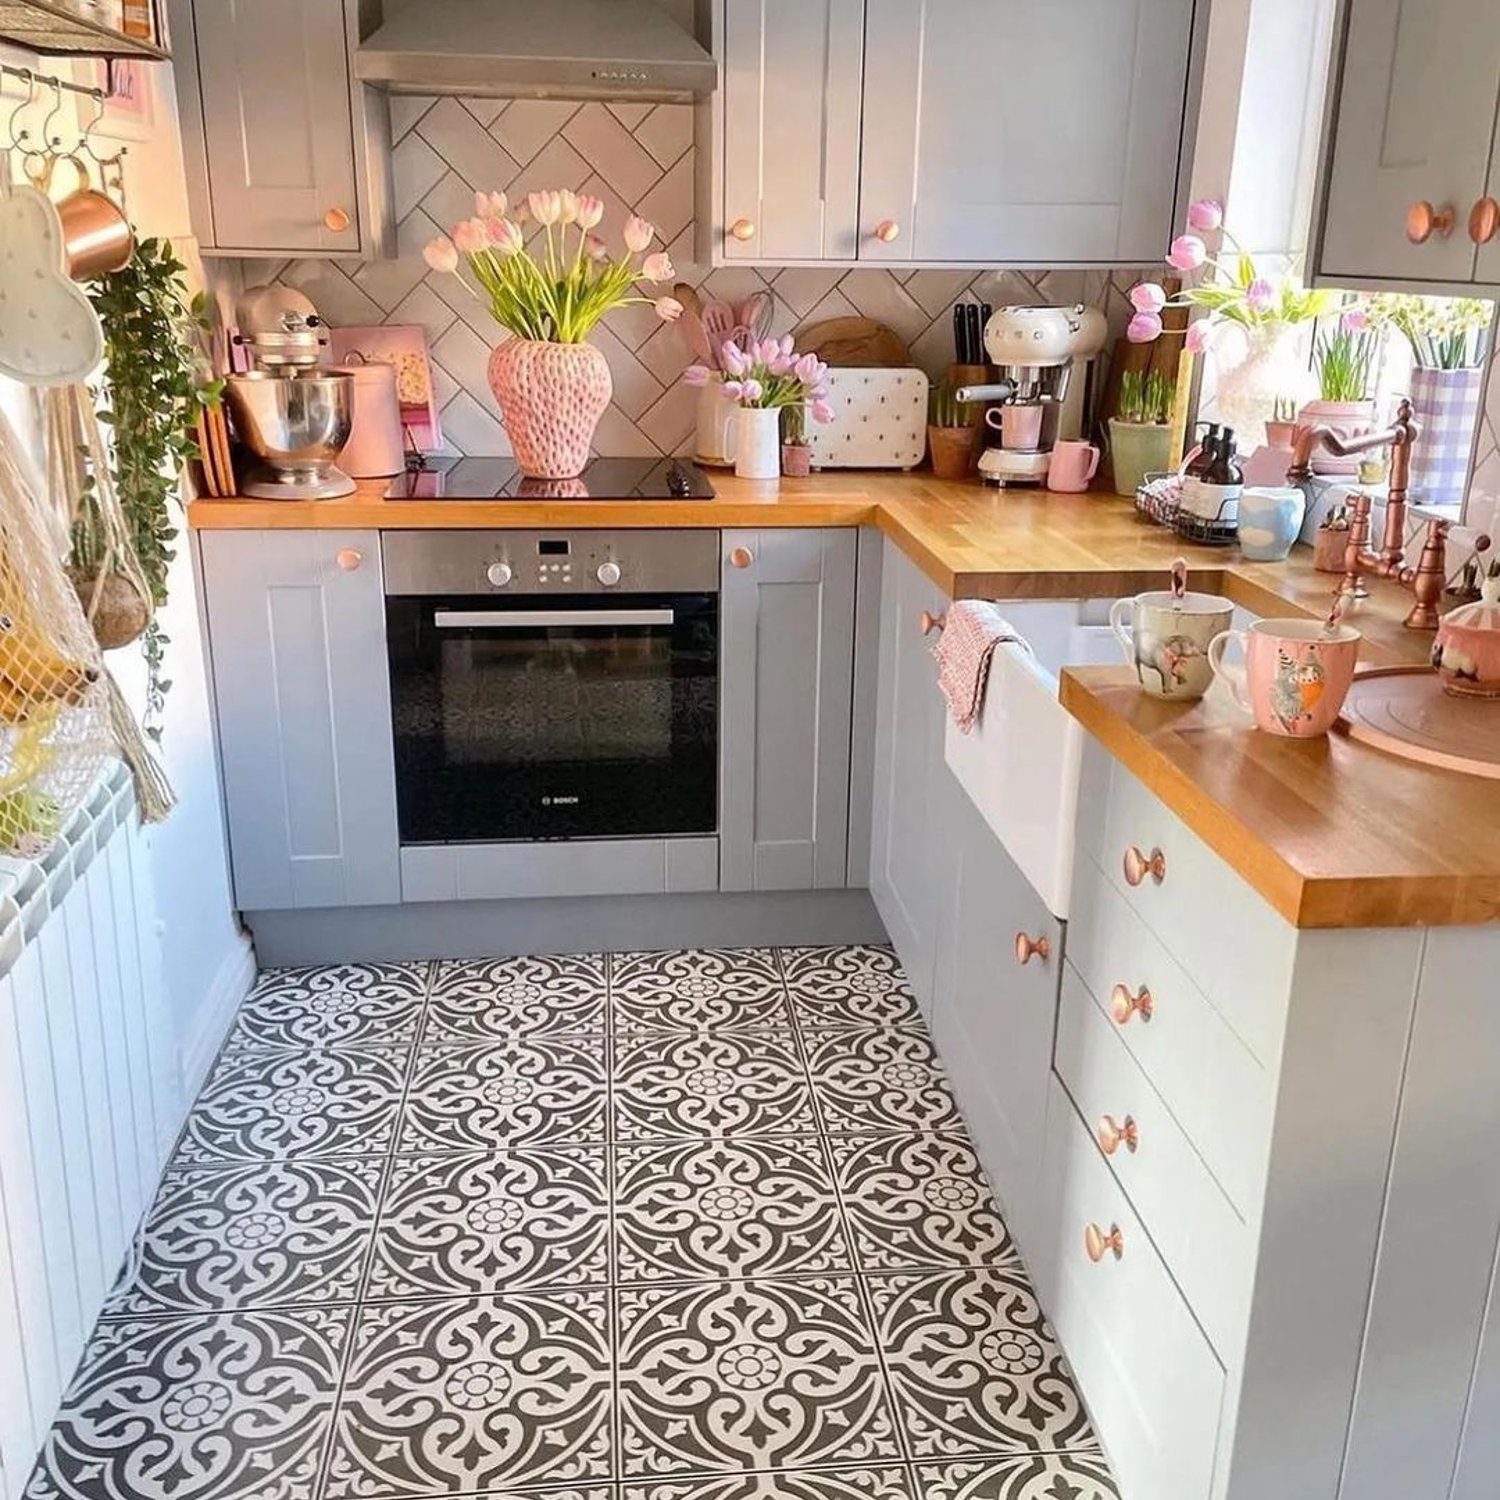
<point x="1333" y="834"/>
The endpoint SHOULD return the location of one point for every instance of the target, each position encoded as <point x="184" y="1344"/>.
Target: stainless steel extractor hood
<point x="559" y="49"/>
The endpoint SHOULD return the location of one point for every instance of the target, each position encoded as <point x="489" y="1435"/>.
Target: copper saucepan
<point x="97" y="237"/>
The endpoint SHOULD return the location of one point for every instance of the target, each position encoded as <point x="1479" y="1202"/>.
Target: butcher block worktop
<point x="1332" y="834"/>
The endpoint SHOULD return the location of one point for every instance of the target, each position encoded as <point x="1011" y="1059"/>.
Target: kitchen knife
<point x="973" y="340"/>
<point x="981" y="356"/>
<point x="960" y="340"/>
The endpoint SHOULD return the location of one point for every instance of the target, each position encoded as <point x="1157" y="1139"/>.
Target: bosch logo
<point x="560" y="801"/>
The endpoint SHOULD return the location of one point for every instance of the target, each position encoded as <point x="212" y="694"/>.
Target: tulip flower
<point x="658" y="267"/>
<point x="732" y="389"/>
<point x="668" y="309"/>
<point x="1205" y="216"/>
<point x="1201" y="336"/>
<point x="471" y="236"/>
<point x="1260" y="295"/>
<point x="732" y="357"/>
<point x="595" y="248"/>
<point x="545" y="206"/>
<point x="1148" y="297"/>
<point x="567" y="206"/>
<point x="697" y="375"/>
<point x="638" y="234"/>
<point x="751" y="390"/>
<point x="490" y="205"/>
<point x="1355" y="320"/>
<point x="590" y="212"/>
<point x="808" y="369"/>
<point x="1187" y="253"/>
<point x="1143" y="328"/>
<point x="821" y="410"/>
<point x="441" y="254"/>
<point x="505" y="237"/>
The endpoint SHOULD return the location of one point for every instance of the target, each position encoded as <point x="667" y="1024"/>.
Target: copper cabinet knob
<point x="1125" y="1003"/>
<point x="931" y="622"/>
<point x="1423" y="221"/>
<point x="1098" y="1243"/>
<point x="743" y="229"/>
<point x="887" y="231"/>
<point x="348" y="559"/>
<point x="741" y="557"/>
<point x="337" y="220"/>
<point x="1484" y="221"/>
<point x="1028" y="947"/>
<point x="1113" y="1133"/>
<point x="1139" y="865"/>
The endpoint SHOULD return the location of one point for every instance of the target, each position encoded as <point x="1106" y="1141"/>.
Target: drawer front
<point x="1201" y="909"/>
<point x="1146" y="1370"/>
<point x="1192" y="1223"/>
<point x="1208" y="1078"/>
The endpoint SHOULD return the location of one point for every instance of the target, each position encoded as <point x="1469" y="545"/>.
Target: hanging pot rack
<point x="77" y="28"/>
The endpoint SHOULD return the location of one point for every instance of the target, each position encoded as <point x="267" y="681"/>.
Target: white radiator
<point x="90" y="1099"/>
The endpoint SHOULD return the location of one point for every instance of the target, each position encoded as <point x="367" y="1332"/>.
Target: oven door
<point x="582" y="716"/>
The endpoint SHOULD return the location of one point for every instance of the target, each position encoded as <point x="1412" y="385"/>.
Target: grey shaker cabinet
<point x="286" y="154"/>
<point x="1411" y="120"/>
<point x="786" y="665"/>
<point x="296" y="624"/>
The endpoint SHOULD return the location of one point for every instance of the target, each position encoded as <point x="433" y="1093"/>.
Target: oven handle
<point x="523" y="619"/>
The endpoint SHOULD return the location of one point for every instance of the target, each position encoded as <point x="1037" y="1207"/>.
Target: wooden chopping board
<point x="857" y="342"/>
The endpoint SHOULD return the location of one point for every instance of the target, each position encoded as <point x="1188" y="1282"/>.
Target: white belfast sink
<point x="1020" y="765"/>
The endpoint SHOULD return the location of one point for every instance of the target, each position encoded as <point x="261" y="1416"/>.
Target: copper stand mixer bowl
<point x="297" y="425"/>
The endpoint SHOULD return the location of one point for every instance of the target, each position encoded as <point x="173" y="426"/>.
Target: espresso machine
<point x="1034" y="350"/>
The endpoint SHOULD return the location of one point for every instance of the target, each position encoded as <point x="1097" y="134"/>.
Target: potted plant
<point x="950" y="433"/>
<point x="1450" y="345"/>
<point x="1281" y="425"/>
<point x="1331" y="541"/>
<point x="1343" y="358"/>
<point x="551" y="384"/>
<point x="765" y="377"/>
<point x="796" y="451"/>
<point x="1252" y="330"/>
<point x="1140" y="437"/>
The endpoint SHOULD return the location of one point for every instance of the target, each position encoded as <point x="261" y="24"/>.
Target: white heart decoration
<point x="49" y="334"/>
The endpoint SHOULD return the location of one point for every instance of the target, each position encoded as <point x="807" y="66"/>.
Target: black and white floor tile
<point x="644" y="1226"/>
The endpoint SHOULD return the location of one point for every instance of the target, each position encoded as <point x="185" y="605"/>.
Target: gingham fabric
<point x="1447" y="406"/>
<point x="972" y="631"/>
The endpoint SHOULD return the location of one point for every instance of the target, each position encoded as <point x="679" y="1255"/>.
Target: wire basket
<point x="1220" y="530"/>
<point x="1156" y="497"/>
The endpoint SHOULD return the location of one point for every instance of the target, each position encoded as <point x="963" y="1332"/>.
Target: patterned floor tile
<point x="858" y="986"/>
<point x="720" y="1083"/>
<point x="725" y="1208"/>
<point x="254" y="1236"/>
<point x="477" y="1394"/>
<point x="919" y="1200"/>
<point x="749" y="1375"/>
<point x="1049" y="1476"/>
<point x="335" y="1006"/>
<point x="879" y="1079"/>
<point x="732" y="989"/>
<point x="201" y="1408"/>
<point x="500" y="998"/>
<point x="493" y="1222"/>
<point x="974" y="1366"/>
<point x="883" y="1483"/>
<point x="259" y="1105"/>
<point x="496" y="1095"/>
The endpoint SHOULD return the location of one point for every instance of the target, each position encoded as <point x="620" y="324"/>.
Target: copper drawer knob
<point x="931" y="622"/>
<point x="1423" y="221"/>
<point x="1484" y="221"/>
<point x="1098" y="1244"/>
<point x="1125" y="1003"/>
<point x="337" y="220"/>
<point x="1113" y="1133"/>
<point x="743" y="229"/>
<point x="887" y="231"/>
<point x="1139" y="865"/>
<point x="348" y="559"/>
<point x="1028" y="947"/>
<point x="741" y="557"/>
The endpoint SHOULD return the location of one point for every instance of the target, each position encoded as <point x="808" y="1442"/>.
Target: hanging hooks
<point x="51" y="141"/>
<point x="86" y="140"/>
<point x="19" y="137"/>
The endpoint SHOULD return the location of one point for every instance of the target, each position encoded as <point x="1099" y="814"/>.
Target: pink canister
<point x="376" y="444"/>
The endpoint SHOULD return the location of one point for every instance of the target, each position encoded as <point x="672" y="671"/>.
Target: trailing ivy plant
<point x="154" y="385"/>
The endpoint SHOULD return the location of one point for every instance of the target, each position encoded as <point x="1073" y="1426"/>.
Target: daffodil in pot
<point x="552" y="385"/>
<point x="1140" y="437"/>
<point x="1343" y="361"/>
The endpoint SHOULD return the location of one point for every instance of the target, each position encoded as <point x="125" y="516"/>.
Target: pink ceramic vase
<point x="551" y="397"/>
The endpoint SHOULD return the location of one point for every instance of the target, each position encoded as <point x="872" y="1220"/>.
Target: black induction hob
<point x="501" y="479"/>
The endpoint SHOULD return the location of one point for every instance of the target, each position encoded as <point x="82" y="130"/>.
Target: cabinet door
<point x="1487" y="262"/>
<point x="907" y="858"/>
<point x="791" y="128"/>
<point x="1413" y="122"/>
<point x="1023" y="130"/>
<point x="274" y="91"/>
<point x="994" y="1017"/>
<point x="787" y="671"/>
<point x="303" y="699"/>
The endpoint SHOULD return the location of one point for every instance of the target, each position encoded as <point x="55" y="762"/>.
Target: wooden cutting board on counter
<point x="853" y="342"/>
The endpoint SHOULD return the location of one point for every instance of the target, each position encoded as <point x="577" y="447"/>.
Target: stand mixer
<point x="1034" y="349"/>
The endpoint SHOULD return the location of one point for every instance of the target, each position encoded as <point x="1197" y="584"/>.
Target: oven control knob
<point x="608" y="573"/>
<point x="499" y="574"/>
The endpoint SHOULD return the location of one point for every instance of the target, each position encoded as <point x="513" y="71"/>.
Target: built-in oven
<point x="553" y="685"/>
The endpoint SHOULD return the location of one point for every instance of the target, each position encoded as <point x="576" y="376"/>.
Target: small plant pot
<point x="121" y="615"/>
<point x="1348" y="419"/>
<point x="1137" y="449"/>
<point x="796" y="460"/>
<point x="952" y="450"/>
<point x="1329" y="547"/>
<point x="1280" y="434"/>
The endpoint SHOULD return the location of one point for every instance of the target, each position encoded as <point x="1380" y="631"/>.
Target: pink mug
<point x="1072" y="465"/>
<point x="1296" y="673"/>
<point x="1019" y="424"/>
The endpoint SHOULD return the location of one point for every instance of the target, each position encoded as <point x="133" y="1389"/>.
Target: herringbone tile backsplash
<point x="635" y="157"/>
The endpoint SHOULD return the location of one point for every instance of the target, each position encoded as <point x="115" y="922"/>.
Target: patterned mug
<point x="1296" y="673"/>
<point x="1167" y="639"/>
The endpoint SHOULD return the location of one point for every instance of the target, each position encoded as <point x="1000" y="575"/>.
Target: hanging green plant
<point x="155" y="382"/>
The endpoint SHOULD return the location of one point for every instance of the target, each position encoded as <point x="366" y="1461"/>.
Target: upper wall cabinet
<point x="286" y="154"/>
<point x="1411" y="166"/>
<point x="961" y="131"/>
